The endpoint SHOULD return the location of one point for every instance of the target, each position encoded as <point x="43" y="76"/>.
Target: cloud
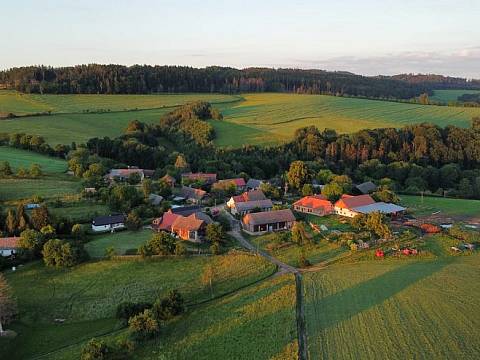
<point x="460" y="62"/>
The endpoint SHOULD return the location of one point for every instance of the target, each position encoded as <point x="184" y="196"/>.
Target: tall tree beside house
<point x="147" y="187"/>
<point x="22" y="219"/>
<point x="297" y="175"/>
<point x="133" y="221"/>
<point x="31" y="242"/>
<point x="180" y="163"/>
<point x="39" y="217"/>
<point x="299" y="233"/>
<point x="11" y="222"/>
<point x="8" y="305"/>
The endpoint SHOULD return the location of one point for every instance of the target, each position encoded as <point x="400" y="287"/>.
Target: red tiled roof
<point x="253" y="195"/>
<point x="314" y="202"/>
<point x="166" y="221"/>
<point x="201" y="176"/>
<point x="9" y="243"/>
<point x="350" y="202"/>
<point x="189" y="223"/>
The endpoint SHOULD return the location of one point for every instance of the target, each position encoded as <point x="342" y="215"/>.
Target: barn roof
<point x="269" y="217"/>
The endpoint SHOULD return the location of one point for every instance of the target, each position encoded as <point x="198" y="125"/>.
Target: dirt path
<point x="283" y="268"/>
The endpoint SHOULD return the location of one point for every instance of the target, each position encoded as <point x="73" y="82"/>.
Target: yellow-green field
<point x="19" y="158"/>
<point x="395" y="310"/>
<point x="264" y="119"/>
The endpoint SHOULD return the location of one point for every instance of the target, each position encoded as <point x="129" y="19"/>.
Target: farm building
<point x="315" y="205"/>
<point x="124" y="174"/>
<point x="268" y="221"/>
<point x="381" y="207"/>
<point x="165" y="222"/>
<point x="8" y="246"/>
<point x="206" y="178"/>
<point x="253" y="184"/>
<point x="108" y="223"/>
<point x="351" y="206"/>
<point x="188" y="223"/>
<point x="192" y="227"/>
<point x="365" y="188"/>
<point x="246" y="207"/>
<point x="252" y="195"/>
<point x="194" y="196"/>
<point x="347" y="204"/>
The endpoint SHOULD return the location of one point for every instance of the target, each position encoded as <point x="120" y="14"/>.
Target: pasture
<point x="48" y="187"/>
<point x="261" y="118"/>
<point x="120" y="241"/>
<point x="86" y="296"/>
<point x="274" y="117"/>
<point x="395" y="309"/>
<point x="81" y="211"/>
<point x="445" y="206"/>
<point x="19" y="158"/>
<point x="22" y="104"/>
<point x="447" y="96"/>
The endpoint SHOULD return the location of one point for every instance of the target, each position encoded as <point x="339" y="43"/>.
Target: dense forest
<point x="144" y="79"/>
<point x="440" y="82"/>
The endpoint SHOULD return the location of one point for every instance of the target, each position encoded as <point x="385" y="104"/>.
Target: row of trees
<point x="142" y="79"/>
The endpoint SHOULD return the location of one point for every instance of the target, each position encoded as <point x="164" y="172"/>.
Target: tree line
<point x="145" y="79"/>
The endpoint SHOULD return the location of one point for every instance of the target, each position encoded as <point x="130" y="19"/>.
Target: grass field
<point x="47" y="187"/>
<point x="446" y="206"/>
<point x="451" y="95"/>
<point x="87" y="295"/>
<point x="22" y="158"/>
<point x="395" y="310"/>
<point x="120" y="241"/>
<point x="82" y="211"/>
<point x="18" y="103"/>
<point x="265" y="118"/>
<point x="275" y="117"/>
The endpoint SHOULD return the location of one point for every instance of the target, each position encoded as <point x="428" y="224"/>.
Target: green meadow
<point x="395" y="309"/>
<point x="446" y="206"/>
<point x="119" y="241"/>
<point x="451" y="95"/>
<point x="48" y="187"/>
<point x="24" y="159"/>
<point x="86" y="297"/>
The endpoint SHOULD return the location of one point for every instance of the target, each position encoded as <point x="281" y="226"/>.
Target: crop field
<point x="451" y="95"/>
<point x="446" y="206"/>
<point x="275" y="117"/>
<point x="264" y="118"/>
<point x="120" y="241"/>
<point x="86" y="296"/>
<point x="22" y="158"/>
<point x="21" y="104"/>
<point x="47" y="187"/>
<point x="395" y="309"/>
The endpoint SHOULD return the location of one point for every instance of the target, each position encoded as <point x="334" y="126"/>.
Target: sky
<point x="368" y="37"/>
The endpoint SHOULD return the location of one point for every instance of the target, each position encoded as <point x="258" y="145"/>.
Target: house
<point x="124" y="174"/>
<point x="192" y="227"/>
<point x="347" y="204"/>
<point x="108" y="223"/>
<point x="9" y="246"/>
<point x="165" y="222"/>
<point x="268" y="221"/>
<point x="170" y="180"/>
<point x="253" y="184"/>
<point x="195" y="196"/>
<point x="239" y="183"/>
<point x="316" y="205"/>
<point x="246" y="207"/>
<point x="188" y="223"/>
<point x="366" y="187"/>
<point x="205" y="178"/>
<point x="246" y="196"/>
<point x="155" y="199"/>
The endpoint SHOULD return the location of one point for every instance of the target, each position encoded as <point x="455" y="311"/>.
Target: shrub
<point x="94" y="349"/>
<point x="144" y="325"/>
<point x="169" y="307"/>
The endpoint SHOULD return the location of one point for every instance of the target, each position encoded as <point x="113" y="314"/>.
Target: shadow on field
<point x="347" y="303"/>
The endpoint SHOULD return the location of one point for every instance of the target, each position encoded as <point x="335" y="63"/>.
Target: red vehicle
<point x="379" y="253"/>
